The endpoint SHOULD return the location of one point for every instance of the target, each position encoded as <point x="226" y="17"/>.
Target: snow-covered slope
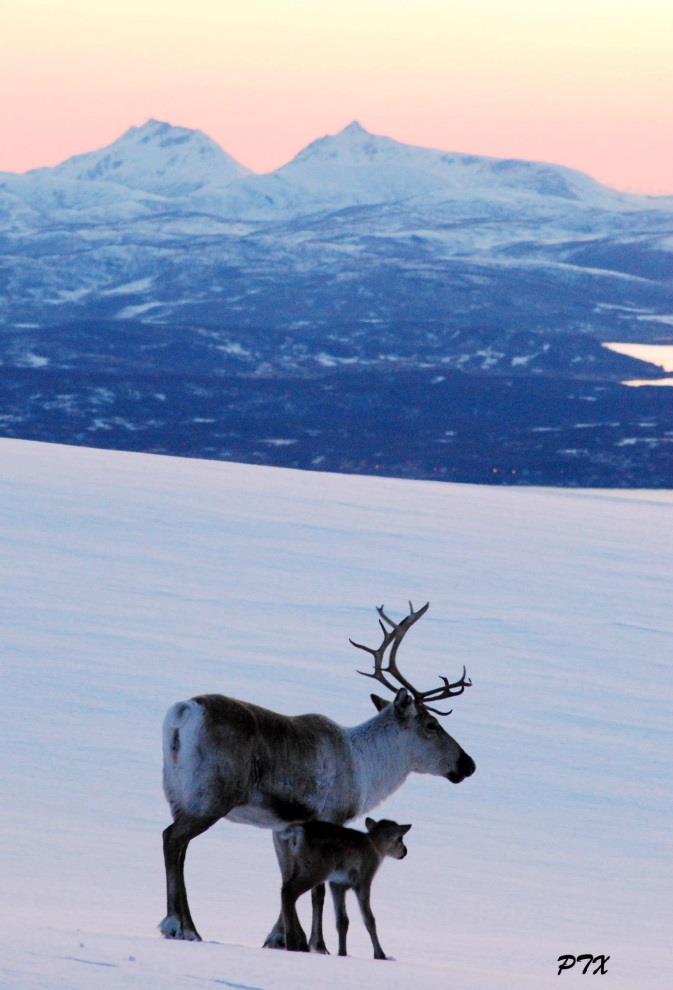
<point x="132" y="581"/>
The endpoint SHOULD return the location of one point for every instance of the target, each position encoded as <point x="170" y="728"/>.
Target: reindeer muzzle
<point x="466" y="767"/>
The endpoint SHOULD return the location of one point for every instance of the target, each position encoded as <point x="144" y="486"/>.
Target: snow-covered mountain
<point x="355" y="167"/>
<point x="155" y="158"/>
<point x="351" y="168"/>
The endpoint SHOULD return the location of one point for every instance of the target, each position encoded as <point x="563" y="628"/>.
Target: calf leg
<point x="317" y="941"/>
<point x="338" y="892"/>
<point x="178" y="921"/>
<point x="362" y="894"/>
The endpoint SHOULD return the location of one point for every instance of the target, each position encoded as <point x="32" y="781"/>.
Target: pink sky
<point x="584" y="83"/>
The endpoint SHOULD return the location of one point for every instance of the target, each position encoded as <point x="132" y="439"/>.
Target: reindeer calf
<point x="319" y="851"/>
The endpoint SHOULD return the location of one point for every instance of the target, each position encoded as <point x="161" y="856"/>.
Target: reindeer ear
<point x="403" y="703"/>
<point x="405" y="829"/>
<point x="370" y="823"/>
<point x="379" y="703"/>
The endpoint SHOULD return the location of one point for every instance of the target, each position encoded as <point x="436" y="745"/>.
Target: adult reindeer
<point x="225" y="758"/>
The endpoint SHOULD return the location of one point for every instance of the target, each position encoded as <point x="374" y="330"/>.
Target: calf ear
<point x="403" y="703"/>
<point x="379" y="703"/>
<point x="370" y="823"/>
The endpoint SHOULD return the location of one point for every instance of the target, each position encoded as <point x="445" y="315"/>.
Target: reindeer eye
<point x="432" y="727"/>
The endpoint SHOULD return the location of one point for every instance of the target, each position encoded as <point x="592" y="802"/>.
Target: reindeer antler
<point x="392" y="638"/>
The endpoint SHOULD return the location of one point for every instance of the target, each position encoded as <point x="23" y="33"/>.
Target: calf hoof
<point x="319" y="947"/>
<point x="172" y="927"/>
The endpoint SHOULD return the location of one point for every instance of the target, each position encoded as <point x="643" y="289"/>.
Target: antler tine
<point x="436" y="711"/>
<point x="400" y="629"/>
<point x="407" y="622"/>
<point x="450" y="690"/>
<point x="391" y="637"/>
<point x="378" y="654"/>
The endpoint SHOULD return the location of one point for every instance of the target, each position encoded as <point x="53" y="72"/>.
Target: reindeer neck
<point x="380" y="757"/>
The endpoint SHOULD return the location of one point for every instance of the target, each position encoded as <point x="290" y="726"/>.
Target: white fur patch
<point x="180" y="786"/>
<point x="171" y="927"/>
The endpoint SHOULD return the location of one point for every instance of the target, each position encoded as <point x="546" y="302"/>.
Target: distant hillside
<point x="270" y="307"/>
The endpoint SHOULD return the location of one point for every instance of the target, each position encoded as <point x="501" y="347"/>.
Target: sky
<point x="584" y="83"/>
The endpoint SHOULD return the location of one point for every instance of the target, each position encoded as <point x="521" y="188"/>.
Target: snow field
<point x="132" y="581"/>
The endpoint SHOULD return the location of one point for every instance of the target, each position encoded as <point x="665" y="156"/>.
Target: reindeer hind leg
<point x="178" y="921"/>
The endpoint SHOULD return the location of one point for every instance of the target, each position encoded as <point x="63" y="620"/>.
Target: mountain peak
<point x="354" y="129"/>
<point x="163" y="133"/>
<point x="157" y="157"/>
<point x="151" y="124"/>
<point x="352" y="142"/>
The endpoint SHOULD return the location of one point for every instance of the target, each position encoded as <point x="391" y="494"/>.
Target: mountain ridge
<point x="357" y="231"/>
<point x="356" y="165"/>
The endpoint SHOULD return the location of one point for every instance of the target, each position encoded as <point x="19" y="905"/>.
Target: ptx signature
<point x="567" y="962"/>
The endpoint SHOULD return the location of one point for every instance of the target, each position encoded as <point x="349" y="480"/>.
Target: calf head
<point x="387" y="837"/>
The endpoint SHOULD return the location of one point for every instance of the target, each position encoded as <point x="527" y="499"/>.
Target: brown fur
<point x="320" y="851"/>
<point x="281" y="755"/>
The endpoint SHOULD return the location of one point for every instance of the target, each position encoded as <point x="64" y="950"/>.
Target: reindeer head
<point x="431" y="749"/>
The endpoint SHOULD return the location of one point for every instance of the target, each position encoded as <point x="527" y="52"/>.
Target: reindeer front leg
<point x="276" y="937"/>
<point x="295" y="938"/>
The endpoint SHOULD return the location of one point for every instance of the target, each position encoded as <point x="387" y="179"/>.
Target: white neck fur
<point x="381" y="760"/>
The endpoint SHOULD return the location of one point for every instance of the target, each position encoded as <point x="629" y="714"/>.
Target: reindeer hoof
<point x="274" y="941"/>
<point x="298" y="944"/>
<point x="172" y="927"/>
<point x="320" y="948"/>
